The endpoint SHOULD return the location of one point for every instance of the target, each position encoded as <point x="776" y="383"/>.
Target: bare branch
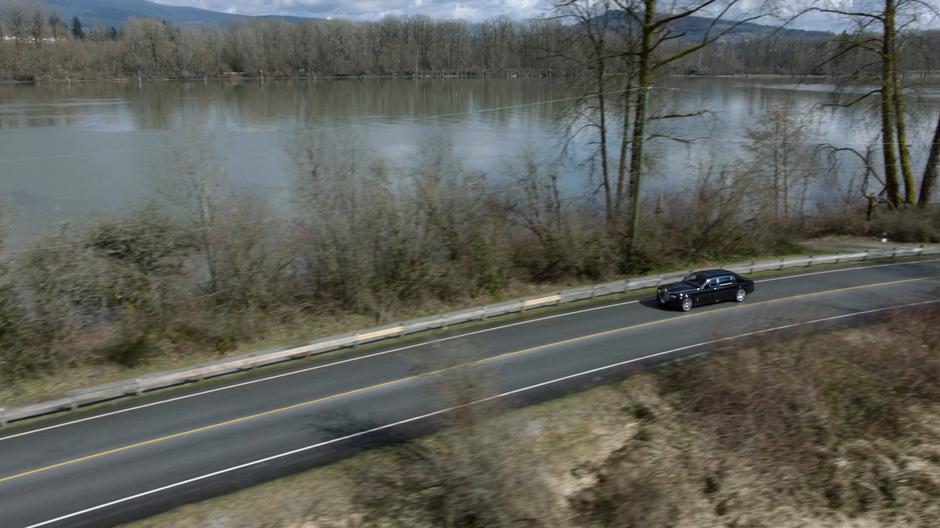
<point x="855" y="101"/>
<point x="678" y="116"/>
<point x="684" y="141"/>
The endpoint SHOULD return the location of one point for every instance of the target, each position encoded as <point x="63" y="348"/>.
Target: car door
<point x="727" y="287"/>
<point x="708" y="293"/>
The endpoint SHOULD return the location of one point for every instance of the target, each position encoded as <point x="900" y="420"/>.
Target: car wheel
<point x="740" y="295"/>
<point x="686" y="304"/>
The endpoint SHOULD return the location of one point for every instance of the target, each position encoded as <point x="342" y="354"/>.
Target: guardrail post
<point x="809" y="262"/>
<point x="865" y="256"/>
<point x="659" y="280"/>
<point x="72" y="404"/>
<point x="894" y="254"/>
<point x="919" y="249"/>
<point x="593" y="292"/>
<point x="3" y="416"/>
<point x="838" y="257"/>
<point x="782" y="260"/>
<point x="628" y="285"/>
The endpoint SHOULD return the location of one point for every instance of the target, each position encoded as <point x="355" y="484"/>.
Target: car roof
<point x="714" y="273"/>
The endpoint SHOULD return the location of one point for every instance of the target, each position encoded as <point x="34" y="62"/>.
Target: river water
<point x="69" y="151"/>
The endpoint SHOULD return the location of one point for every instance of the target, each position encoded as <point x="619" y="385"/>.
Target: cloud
<point x="374" y="9"/>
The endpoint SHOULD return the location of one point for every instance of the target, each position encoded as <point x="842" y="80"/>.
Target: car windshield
<point x="695" y="280"/>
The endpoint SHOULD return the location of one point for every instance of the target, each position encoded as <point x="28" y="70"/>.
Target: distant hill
<point x="693" y="28"/>
<point x="116" y="12"/>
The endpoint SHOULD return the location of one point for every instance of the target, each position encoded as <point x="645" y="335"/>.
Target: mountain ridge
<point x="694" y="27"/>
<point x="117" y="12"/>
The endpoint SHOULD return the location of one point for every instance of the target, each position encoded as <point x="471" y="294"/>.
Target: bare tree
<point x="780" y="154"/>
<point x="537" y="205"/>
<point x="16" y="14"/>
<point x="36" y="25"/>
<point x="929" y="180"/>
<point x="652" y="55"/>
<point x="593" y="20"/>
<point x="197" y="189"/>
<point x="642" y="36"/>
<point x="11" y="322"/>
<point x="879" y="31"/>
<point x="56" y="25"/>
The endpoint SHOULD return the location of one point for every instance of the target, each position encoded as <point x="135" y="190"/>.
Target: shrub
<point x="128" y="350"/>
<point x="908" y="225"/>
<point x="799" y="402"/>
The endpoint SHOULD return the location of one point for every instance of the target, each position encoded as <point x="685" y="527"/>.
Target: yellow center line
<point x="438" y="371"/>
<point x="684" y="316"/>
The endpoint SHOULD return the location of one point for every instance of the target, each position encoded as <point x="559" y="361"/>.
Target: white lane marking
<point x="475" y="402"/>
<point x="316" y="367"/>
<point x="847" y="269"/>
<point x="399" y="349"/>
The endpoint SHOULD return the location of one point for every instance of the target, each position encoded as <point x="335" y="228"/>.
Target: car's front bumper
<point x="667" y="300"/>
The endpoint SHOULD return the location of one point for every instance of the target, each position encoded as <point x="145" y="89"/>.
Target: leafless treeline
<point x="391" y="46"/>
<point x="797" y="55"/>
<point x="36" y="42"/>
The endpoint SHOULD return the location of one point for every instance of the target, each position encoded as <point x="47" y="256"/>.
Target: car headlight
<point x="673" y="296"/>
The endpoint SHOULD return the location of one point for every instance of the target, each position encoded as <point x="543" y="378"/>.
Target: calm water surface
<point x="69" y="151"/>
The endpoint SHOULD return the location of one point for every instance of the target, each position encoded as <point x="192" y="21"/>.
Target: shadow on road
<point x="653" y="303"/>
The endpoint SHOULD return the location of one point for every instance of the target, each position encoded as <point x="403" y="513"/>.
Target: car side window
<point x="725" y="281"/>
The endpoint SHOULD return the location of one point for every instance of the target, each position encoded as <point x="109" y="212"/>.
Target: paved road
<point x="147" y="455"/>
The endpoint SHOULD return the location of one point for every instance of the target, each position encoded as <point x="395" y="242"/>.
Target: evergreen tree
<point x="77" y="30"/>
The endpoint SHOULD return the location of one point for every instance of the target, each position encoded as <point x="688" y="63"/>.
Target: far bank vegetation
<point x="38" y="43"/>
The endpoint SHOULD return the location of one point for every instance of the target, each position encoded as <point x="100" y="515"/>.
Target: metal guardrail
<point x="111" y="391"/>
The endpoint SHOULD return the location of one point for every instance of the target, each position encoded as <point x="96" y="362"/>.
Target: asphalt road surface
<point x="119" y="463"/>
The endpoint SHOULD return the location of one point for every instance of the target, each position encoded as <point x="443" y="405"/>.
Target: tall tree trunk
<point x="888" y="121"/>
<point x="910" y="186"/>
<point x="639" y="122"/>
<point x="929" y="181"/>
<point x="776" y="180"/>
<point x="624" y="142"/>
<point x="602" y="118"/>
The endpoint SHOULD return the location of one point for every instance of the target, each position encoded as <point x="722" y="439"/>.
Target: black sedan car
<point x="705" y="287"/>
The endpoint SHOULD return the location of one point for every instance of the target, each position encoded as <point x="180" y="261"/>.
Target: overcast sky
<point x="374" y="9"/>
<point x="464" y="9"/>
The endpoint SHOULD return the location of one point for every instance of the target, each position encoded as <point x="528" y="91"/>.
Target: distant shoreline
<point x="247" y="78"/>
<point x="239" y="77"/>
